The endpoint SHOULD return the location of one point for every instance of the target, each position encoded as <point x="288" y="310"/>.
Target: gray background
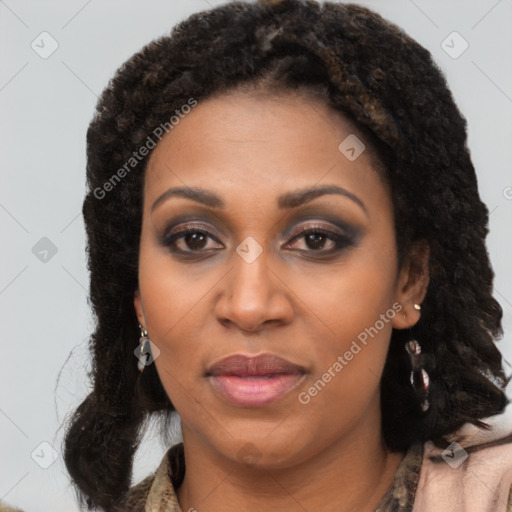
<point x="46" y="106"/>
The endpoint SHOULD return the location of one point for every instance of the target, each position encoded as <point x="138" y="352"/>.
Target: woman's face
<point x="291" y="254"/>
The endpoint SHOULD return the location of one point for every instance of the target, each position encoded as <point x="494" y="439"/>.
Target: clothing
<point x="424" y="480"/>
<point x="6" y="508"/>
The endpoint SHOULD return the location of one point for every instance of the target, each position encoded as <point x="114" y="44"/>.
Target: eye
<point x="316" y="238"/>
<point x="195" y="239"/>
<point x="190" y="239"/>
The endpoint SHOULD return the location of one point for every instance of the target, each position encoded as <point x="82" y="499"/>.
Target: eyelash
<point x="341" y="241"/>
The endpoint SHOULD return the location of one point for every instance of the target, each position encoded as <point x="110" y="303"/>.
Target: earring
<point x="144" y="351"/>
<point x="417" y="307"/>
<point x="419" y="377"/>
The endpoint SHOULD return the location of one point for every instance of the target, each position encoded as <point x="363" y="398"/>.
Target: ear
<point x="139" y="310"/>
<point x="412" y="284"/>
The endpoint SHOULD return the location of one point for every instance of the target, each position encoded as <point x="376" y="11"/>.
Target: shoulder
<point x="7" y="508"/>
<point x="157" y="491"/>
<point x="135" y="499"/>
<point x="474" y="470"/>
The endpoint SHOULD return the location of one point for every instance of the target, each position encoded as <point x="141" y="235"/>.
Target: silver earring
<point x="420" y="380"/>
<point x="144" y="349"/>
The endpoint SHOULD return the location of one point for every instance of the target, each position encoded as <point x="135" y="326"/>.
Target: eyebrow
<point x="289" y="200"/>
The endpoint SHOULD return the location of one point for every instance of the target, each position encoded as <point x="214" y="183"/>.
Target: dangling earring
<point x="143" y="351"/>
<point x="419" y="377"/>
<point x="147" y="351"/>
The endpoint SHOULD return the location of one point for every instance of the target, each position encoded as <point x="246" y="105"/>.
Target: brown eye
<point x="188" y="240"/>
<point x="195" y="240"/>
<point x="315" y="240"/>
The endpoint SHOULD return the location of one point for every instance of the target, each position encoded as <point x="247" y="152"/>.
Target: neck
<point x="351" y="474"/>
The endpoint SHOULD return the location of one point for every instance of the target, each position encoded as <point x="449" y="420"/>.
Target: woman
<point x="287" y="247"/>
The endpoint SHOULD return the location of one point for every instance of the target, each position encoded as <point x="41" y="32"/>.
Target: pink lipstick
<point x="254" y="381"/>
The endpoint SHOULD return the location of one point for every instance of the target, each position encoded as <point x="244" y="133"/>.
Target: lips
<point x="262" y="365"/>
<point x="254" y="381"/>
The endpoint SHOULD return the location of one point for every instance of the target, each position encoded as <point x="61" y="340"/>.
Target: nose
<point x="253" y="296"/>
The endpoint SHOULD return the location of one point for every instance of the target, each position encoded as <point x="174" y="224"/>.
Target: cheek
<point x="172" y="300"/>
<point x="352" y="296"/>
<point x="355" y="305"/>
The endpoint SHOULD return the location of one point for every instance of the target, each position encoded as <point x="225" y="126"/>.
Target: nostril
<point x="225" y="322"/>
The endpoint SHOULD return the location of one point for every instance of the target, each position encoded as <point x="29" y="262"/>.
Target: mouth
<point x="254" y="381"/>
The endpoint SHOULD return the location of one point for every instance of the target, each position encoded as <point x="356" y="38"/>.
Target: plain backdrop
<point x="46" y="105"/>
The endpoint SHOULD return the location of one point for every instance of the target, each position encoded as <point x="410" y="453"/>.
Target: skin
<point x="249" y="148"/>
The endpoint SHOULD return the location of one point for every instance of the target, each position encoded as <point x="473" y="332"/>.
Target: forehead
<point x="257" y="117"/>
<point x="254" y="143"/>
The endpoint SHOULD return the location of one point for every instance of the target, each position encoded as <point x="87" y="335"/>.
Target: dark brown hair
<point x="389" y="86"/>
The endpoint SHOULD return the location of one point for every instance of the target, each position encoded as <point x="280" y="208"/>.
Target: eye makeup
<point x="191" y="237"/>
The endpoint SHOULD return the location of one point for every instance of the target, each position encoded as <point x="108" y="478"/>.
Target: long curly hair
<point x="389" y="86"/>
